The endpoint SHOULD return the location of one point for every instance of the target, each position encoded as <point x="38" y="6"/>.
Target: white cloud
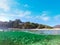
<point x="26" y="5"/>
<point x="6" y="13"/>
<point x="57" y="17"/>
<point x="23" y="13"/>
<point x="18" y="14"/>
<point x="3" y="18"/>
<point x="29" y="17"/>
<point x="3" y="5"/>
<point x="44" y="16"/>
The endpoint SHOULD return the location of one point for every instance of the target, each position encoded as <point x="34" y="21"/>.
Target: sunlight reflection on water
<point x="48" y="31"/>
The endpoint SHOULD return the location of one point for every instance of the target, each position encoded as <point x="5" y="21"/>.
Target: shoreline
<point x="16" y="29"/>
<point x="32" y="29"/>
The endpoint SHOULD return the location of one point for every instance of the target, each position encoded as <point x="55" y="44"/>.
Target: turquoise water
<point x="24" y="38"/>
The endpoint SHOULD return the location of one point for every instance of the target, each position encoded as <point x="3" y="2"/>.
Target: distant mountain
<point x="57" y="26"/>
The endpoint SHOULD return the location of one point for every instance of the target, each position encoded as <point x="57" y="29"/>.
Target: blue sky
<point x="38" y="11"/>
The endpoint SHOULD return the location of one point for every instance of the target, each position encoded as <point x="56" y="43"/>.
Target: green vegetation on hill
<point x="22" y="25"/>
<point x="26" y="25"/>
<point x="25" y="38"/>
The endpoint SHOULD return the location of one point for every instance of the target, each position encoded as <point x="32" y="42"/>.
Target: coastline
<point x="34" y="29"/>
<point x="9" y="29"/>
<point x="45" y="29"/>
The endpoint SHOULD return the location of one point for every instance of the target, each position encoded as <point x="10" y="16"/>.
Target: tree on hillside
<point x="29" y="25"/>
<point x="41" y="26"/>
<point x="26" y="25"/>
<point x="34" y="25"/>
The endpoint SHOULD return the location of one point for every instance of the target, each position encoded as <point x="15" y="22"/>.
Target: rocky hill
<point x="22" y="25"/>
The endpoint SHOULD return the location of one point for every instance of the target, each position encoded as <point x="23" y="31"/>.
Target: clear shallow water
<point x="52" y="32"/>
<point x="49" y="32"/>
